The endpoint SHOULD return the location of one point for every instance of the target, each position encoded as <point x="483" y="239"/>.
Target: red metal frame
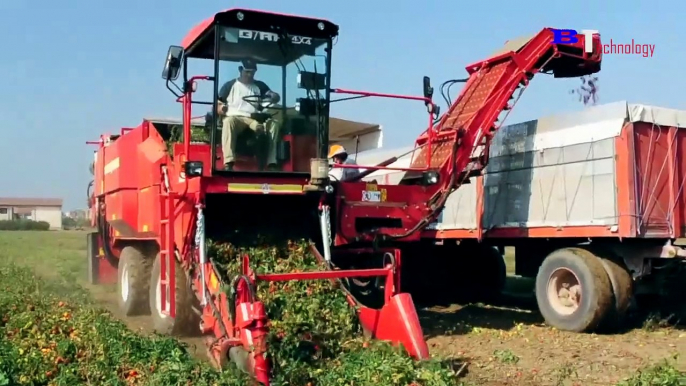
<point x="447" y="147"/>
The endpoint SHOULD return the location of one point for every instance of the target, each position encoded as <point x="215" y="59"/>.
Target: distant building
<point x="36" y="209"/>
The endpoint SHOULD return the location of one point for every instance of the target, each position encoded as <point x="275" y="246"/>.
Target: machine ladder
<point x="167" y="256"/>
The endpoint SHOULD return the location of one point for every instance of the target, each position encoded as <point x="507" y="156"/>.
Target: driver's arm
<point x="223" y="94"/>
<point x="267" y="92"/>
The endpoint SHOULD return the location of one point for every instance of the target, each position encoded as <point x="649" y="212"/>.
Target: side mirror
<point x="172" y="65"/>
<point x="192" y="168"/>
<point x="428" y="90"/>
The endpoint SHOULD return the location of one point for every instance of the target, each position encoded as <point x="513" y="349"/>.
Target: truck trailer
<point x="575" y="194"/>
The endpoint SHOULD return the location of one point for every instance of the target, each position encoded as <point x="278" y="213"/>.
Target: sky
<point x="74" y="69"/>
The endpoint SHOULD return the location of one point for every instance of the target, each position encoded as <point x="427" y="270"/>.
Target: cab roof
<point x="199" y="42"/>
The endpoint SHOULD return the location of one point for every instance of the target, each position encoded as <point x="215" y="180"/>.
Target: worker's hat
<point x="336" y="150"/>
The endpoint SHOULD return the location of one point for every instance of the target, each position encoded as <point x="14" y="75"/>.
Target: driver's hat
<point x="249" y="64"/>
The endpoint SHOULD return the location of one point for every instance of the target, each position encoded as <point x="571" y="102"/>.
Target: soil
<point x="511" y="345"/>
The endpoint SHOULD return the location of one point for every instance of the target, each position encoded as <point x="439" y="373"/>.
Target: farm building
<point x="36" y="209"/>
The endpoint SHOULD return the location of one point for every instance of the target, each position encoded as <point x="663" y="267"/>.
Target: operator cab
<point x="270" y="89"/>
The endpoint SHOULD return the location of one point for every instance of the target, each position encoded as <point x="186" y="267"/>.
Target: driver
<point x="237" y="112"/>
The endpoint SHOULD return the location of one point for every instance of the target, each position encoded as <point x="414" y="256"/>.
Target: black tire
<point x="596" y="290"/>
<point x="492" y="282"/>
<point x="483" y="275"/>
<point x="186" y="322"/>
<point x="446" y="274"/>
<point x="622" y="290"/>
<point x="133" y="275"/>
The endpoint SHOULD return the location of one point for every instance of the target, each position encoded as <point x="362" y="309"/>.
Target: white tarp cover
<point x="553" y="171"/>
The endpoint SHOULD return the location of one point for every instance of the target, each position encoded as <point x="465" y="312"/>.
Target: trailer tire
<point x="583" y="272"/>
<point x="622" y="290"/>
<point x="494" y="273"/>
<point x="483" y="274"/>
<point x="133" y="274"/>
<point x="186" y="322"/>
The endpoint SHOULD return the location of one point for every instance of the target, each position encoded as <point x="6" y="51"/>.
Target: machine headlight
<point x="430" y="177"/>
<point x="193" y="168"/>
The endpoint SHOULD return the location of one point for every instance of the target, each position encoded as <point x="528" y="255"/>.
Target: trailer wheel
<point x="186" y="322"/>
<point x="573" y="290"/>
<point x="132" y="281"/>
<point x="493" y="272"/>
<point x="482" y="274"/>
<point x="622" y="289"/>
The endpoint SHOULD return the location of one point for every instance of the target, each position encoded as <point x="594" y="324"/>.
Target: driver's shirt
<point x="233" y="92"/>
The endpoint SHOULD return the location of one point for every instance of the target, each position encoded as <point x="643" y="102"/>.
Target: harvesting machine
<point x="155" y="202"/>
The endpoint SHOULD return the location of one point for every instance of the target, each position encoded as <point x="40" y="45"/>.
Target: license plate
<point x="371" y="196"/>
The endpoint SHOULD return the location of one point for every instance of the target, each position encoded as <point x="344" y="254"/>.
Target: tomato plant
<point x="315" y="337"/>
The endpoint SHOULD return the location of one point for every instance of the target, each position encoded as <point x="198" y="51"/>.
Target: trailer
<point x="591" y="201"/>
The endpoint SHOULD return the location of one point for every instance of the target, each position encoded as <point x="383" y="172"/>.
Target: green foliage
<point x="24" y="225"/>
<point x="661" y="374"/>
<point x="71" y="223"/>
<point x="46" y="339"/>
<point x="198" y="134"/>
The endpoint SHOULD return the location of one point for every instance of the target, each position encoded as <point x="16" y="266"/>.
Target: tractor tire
<point x="186" y="322"/>
<point x="133" y="279"/>
<point x="579" y="274"/>
<point x="622" y="291"/>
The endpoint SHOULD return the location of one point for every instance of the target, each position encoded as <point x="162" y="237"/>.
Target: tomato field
<point x="57" y="330"/>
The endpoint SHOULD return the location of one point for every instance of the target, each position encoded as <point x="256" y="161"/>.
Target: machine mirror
<point x="193" y="168"/>
<point x="428" y="90"/>
<point x="172" y="65"/>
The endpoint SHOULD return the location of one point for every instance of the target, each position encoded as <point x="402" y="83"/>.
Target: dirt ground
<point x="513" y="346"/>
<point x="507" y="344"/>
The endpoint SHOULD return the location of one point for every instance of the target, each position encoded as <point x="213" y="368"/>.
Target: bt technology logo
<point x="566" y="36"/>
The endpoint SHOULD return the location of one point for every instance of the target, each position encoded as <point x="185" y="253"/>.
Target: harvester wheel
<point x="573" y="291"/>
<point x="133" y="280"/>
<point x="186" y="322"/>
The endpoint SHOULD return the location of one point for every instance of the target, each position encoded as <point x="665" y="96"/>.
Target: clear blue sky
<point x="75" y="68"/>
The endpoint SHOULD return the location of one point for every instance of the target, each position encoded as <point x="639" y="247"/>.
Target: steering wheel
<point x="258" y="102"/>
